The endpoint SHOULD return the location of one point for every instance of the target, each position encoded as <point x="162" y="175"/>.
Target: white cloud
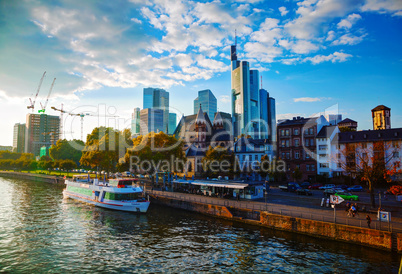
<point x="349" y="39"/>
<point x="384" y="6"/>
<point x="333" y="57"/>
<point x="315" y="15"/>
<point x="307" y="99"/>
<point x="283" y="11"/>
<point x="348" y="22"/>
<point x="330" y="35"/>
<point x="135" y="20"/>
<point x="224" y="98"/>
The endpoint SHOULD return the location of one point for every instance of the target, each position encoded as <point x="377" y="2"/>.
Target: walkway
<point x="318" y="214"/>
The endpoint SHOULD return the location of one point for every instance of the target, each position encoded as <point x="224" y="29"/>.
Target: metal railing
<point x="303" y="213"/>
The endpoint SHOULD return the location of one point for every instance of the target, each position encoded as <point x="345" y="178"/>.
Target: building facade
<point x="156" y="98"/>
<point x="207" y="100"/>
<point x="151" y="120"/>
<point x="42" y="130"/>
<point x="326" y="147"/>
<point x="297" y="145"/>
<point x="19" y="138"/>
<point x="381" y="117"/>
<point x="135" y="122"/>
<point x="172" y="122"/>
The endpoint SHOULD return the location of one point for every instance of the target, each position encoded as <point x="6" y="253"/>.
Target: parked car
<point x="337" y="189"/>
<point x="304" y="191"/>
<point x="305" y="185"/>
<point x="329" y="191"/>
<point x="315" y="186"/>
<point x="348" y="196"/>
<point x="356" y="188"/>
<point x="327" y="186"/>
<point x="343" y="186"/>
<point x="291" y="187"/>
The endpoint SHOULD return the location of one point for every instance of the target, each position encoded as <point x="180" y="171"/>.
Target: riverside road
<point x="307" y="207"/>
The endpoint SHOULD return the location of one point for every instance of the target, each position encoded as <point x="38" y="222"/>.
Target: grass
<point x="53" y="173"/>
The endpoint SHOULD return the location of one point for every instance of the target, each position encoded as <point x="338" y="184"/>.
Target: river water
<point x="42" y="232"/>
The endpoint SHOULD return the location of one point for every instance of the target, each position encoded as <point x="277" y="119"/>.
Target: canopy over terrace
<point x="220" y="184"/>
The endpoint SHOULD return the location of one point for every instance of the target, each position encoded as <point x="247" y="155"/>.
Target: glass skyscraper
<point x="172" y="122"/>
<point x="208" y="103"/>
<point x="159" y="99"/>
<point x="151" y="120"/>
<point x="135" y="122"/>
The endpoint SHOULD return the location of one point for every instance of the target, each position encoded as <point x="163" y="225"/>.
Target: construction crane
<point x="81" y="115"/>
<point x="47" y="99"/>
<point x="32" y="106"/>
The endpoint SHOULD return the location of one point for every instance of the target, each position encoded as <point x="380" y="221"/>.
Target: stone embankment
<point x="385" y="240"/>
<point x="33" y="177"/>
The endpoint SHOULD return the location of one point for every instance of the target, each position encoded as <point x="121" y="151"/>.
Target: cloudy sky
<point x="312" y="55"/>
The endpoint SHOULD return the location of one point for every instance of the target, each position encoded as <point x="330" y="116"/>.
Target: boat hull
<point x="135" y="207"/>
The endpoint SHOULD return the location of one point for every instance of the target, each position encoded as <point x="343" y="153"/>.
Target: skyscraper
<point x="42" y="130"/>
<point x="135" y="122"/>
<point x="208" y="102"/>
<point x="19" y="138"/>
<point x="159" y="99"/>
<point x="172" y="122"/>
<point x="151" y="120"/>
<point x="253" y="111"/>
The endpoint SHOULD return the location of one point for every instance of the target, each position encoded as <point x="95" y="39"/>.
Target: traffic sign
<point x="336" y="199"/>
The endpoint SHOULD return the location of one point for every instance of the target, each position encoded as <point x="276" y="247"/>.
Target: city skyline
<point x="311" y="55"/>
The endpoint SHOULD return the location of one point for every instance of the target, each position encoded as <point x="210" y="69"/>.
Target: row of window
<point x="296" y="142"/>
<point x="296" y="131"/>
<point x="296" y="155"/>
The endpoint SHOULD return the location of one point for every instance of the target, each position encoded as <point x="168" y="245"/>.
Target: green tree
<point x="156" y="148"/>
<point x="67" y="165"/>
<point x="7" y="155"/>
<point x="297" y="174"/>
<point x="218" y="161"/>
<point x="67" y="150"/>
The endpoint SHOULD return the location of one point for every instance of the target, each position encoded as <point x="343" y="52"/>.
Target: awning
<point x="181" y="181"/>
<point x="227" y="185"/>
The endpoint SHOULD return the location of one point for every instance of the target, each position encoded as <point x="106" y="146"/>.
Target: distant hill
<point x="3" y="148"/>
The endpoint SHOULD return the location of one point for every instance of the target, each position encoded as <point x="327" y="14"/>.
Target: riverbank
<point x="384" y="240"/>
<point x="33" y="176"/>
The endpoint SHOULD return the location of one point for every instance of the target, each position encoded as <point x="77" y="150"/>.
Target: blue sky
<point x="312" y="55"/>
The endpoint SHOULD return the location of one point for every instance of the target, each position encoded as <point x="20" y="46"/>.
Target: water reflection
<point x="41" y="231"/>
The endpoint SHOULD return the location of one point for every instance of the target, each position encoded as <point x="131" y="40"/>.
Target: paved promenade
<point x="318" y="214"/>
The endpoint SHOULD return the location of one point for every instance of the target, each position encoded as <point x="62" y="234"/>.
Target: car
<point x="315" y="186"/>
<point x="347" y="196"/>
<point x="328" y="186"/>
<point x="343" y="187"/>
<point x="304" y="191"/>
<point x="356" y="188"/>
<point x="337" y="189"/>
<point x="305" y="185"/>
<point x="329" y="191"/>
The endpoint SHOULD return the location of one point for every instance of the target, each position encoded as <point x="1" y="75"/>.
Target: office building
<point x="41" y="130"/>
<point x="159" y="99"/>
<point x="207" y="101"/>
<point x="135" y="122"/>
<point x="172" y="123"/>
<point x="19" y="138"/>
<point x="253" y="111"/>
<point x="151" y="120"/>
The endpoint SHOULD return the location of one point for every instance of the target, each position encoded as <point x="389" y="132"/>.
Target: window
<point x="297" y="142"/>
<point x="297" y="155"/>
<point x="305" y="131"/>
<point x="322" y="147"/>
<point x="282" y="143"/>
<point x="287" y="155"/>
<point x="311" y="131"/>
<point x="325" y="165"/>
<point x="312" y="168"/>
<point x="312" y="142"/>
<point x="307" y="141"/>
<point x="282" y="132"/>
<point x="296" y="131"/>
<point x="287" y="132"/>
<point x="307" y="167"/>
<point x="283" y="155"/>
<point x="256" y="157"/>
<point x="307" y="156"/>
<point x="287" y="143"/>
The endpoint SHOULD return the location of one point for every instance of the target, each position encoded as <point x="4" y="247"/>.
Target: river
<point x="42" y="232"/>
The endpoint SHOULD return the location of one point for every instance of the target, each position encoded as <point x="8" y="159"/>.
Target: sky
<point x="312" y="55"/>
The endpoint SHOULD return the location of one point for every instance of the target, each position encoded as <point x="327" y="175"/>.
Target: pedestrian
<point x="368" y="221"/>
<point x="353" y="210"/>
<point x="347" y="206"/>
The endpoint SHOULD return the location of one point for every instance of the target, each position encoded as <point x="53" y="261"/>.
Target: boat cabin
<point x="122" y="182"/>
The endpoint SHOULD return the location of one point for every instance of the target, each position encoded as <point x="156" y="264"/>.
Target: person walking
<point x="368" y="221"/>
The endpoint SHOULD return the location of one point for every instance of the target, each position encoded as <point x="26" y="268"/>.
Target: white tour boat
<point x="118" y="194"/>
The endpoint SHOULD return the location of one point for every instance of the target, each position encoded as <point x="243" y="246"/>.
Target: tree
<point x="218" y="161"/>
<point x="67" y="165"/>
<point x="372" y="163"/>
<point x="155" y="152"/>
<point x="67" y="150"/>
<point x="297" y="174"/>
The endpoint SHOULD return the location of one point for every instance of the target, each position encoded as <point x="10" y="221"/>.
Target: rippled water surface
<point x="42" y="232"/>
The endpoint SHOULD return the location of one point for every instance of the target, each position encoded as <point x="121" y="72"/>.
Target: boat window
<point x="122" y="196"/>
